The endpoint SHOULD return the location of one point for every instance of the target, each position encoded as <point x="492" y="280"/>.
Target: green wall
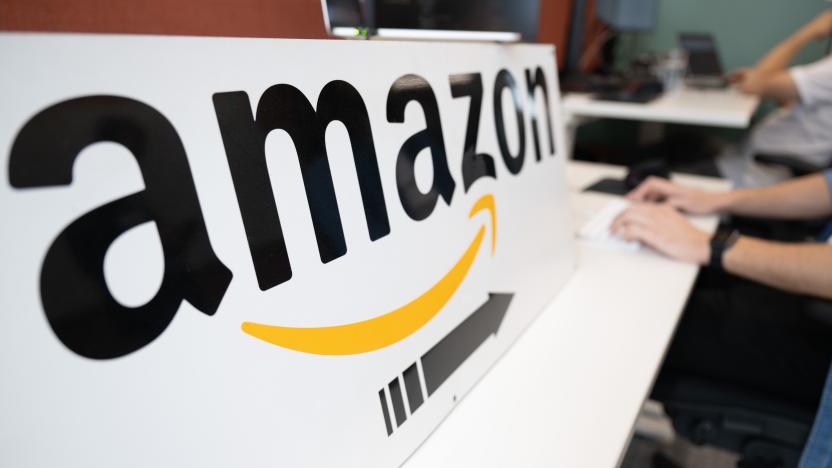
<point x="744" y="29"/>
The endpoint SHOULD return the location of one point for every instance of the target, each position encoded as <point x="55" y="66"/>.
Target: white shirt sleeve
<point x="814" y="82"/>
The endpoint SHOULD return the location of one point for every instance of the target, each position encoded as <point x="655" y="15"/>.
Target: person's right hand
<point x="687" y="199"/>
<point x="748" y="80"/>
<point x="738" y="76"/>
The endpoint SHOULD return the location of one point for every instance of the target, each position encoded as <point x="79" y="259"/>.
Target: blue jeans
<point x="818" y="450"/>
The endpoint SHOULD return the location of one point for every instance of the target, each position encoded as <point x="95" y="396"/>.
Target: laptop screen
<point x="703" y="57"/>
<point x="436" y="19"/>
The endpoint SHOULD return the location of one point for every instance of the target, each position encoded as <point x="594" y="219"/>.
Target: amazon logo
<point x="76" y="300"/>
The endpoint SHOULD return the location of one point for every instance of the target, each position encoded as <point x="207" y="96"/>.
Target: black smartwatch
<point x="720" y="243"/>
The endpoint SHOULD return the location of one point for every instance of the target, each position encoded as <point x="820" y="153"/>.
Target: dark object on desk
<point x="635" y="176"/>
<point x="704" y="66"/>
<point x="609" y="186"/>
<point x="641" y="172"/>
<point x="639" y="91"/>
<point x="591" y="83"/>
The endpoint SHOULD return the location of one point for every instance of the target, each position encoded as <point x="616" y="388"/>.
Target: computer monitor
<point x="473" y="20"/>
<point x="344" y="17"/>
<point x="627" y="15"/>
<point x="619" y="15"/>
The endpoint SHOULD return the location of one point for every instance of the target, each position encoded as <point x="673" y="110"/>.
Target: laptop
<point x="704" y="66"/>
<point x="446" y="20"/>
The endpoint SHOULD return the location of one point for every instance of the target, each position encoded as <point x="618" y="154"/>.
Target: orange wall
<point x="554" y="25"/>
<point x="245" y="18"/>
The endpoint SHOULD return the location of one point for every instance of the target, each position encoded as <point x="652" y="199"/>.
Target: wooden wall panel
<point x="554" y="25"/>
<point x="242" y="18"/>
<point x="245" y="18"/>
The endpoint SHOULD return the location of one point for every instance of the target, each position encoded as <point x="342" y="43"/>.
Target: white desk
<point x="569" y="390"/>
<point x="716" y="108"/>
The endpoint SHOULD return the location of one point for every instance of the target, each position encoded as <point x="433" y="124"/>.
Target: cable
<point x="592" y="50"/>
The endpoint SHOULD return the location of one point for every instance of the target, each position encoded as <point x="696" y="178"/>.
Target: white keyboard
<point x="597" y="229"/>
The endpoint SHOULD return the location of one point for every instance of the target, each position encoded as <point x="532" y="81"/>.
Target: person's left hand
<point x="664" y="229"/>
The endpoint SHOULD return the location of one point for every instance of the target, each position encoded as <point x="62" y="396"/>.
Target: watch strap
<point x="720" y="243"/>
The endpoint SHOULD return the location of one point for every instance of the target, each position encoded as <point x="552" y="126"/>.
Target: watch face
<point x="723" y="236"/>
<point x="725" y="239"/>
<point x="735" y="236"/>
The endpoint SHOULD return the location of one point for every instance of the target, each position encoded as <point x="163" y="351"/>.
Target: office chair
<point x="766" y="432"/>
<point x="797" y="166"/>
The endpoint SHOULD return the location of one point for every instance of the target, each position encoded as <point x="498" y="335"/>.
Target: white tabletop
<point x="718" y="108"/>
<point x="569" y="390"/>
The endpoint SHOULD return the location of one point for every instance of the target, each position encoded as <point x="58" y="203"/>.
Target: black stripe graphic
<point x="385" y="411"/>
<point x="413" y="388"/>
<point x="444" y="358"/>
<point x="398" y="401"/>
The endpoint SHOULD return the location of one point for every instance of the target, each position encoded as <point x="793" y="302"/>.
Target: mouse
<point x="640" y="172"/>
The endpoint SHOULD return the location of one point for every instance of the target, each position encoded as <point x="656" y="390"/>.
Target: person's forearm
<point x="780" y="57"/>
<point x="769" y="78"/>
<point x="803" y="198"/>
<point x="798" y="268"/>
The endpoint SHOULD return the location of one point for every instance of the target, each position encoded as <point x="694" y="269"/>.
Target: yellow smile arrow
<point x="383" y="330"/>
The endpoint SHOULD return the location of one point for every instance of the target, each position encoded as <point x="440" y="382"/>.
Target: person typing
<point x="799" y="268"/>
<point x="747" y="321"/>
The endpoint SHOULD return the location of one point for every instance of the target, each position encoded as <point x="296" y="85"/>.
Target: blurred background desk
<point x="716" y="108"/>
<point x="569" y="391"/>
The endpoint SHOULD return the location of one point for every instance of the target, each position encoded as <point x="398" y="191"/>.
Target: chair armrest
<point x="796" y="165"/>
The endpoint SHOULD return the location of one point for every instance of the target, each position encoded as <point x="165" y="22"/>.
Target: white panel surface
<point x="207" y="391"/>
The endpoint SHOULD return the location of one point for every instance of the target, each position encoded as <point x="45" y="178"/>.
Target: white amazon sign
<point x="245" y="252"/>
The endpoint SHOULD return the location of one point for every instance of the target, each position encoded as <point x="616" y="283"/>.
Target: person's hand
<point x="820" y="27"/>
<point x="687" y="199"/>
<point x="737" y="76"/>
<point x="665" y="230"/>
<point x="747" y="80"/>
